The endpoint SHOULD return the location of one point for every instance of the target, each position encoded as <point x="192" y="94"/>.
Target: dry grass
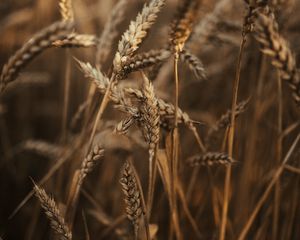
<point x="186" y="98"/>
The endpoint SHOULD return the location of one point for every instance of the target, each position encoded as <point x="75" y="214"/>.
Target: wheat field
<point x="150" y="119"/>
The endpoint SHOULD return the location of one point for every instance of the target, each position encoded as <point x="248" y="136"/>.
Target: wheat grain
<point x="194" y="64"/>
<point x="150" y="117"/>
<point x="75" y="40"/>
<point x="123" y="126"/>
<point x="143" y="60"/>
<point x="166" y="110"/>
<point x="182" y="24"/>
<point x="66" y="10"/>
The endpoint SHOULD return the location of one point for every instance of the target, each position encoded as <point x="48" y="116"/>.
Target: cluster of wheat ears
<point x="200" y="177"/>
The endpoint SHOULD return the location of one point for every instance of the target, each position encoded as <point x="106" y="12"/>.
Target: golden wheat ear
<point x="275" y="46"/>
<point x="52" y="212"/>
<point x="210" y="158"/>
<point x="37" y="44"/>
<point x="182" y="25"/>
<point x="132" y="197"/>
<point x="136" y="32"/>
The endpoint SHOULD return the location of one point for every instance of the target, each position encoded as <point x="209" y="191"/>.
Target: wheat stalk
<point x="194" y="63"/>
<point x="52" y="212"/>
<point x="87" y="166"/>
<point x="143" y="60"/>
<point x="210" y="158"/>
<point x="133" y="201"/>
<point x="136" y="32"/>
<point x="182" y="24"/>
<point x="90" y="162"/>
<point x="150" y="125"/>
<point x="275" y="46"/>
<point x="75" y="40"/>
<point x="37" y="44"/>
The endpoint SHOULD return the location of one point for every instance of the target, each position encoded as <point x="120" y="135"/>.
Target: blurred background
<point x="31" y="112"/>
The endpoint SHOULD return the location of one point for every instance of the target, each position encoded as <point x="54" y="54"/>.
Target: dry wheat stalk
<point x="110" y="32"/>
<point x="133" y="201"/>
<point x="166" y="110"/>
<point x="149" y="113"/>
<point x="149" y="123"/>
<point x="66" y="10"/>
<point x="87" y="166"/>
<point x="89" y="162"/>
<point x="143" y="60"/>
<point x="77" y="40"/>
<point x="137" y="30"/>
<point x="38" y="43"/>
<point x="275" y="46"/>
<point x="57" y="222"/>
<point x="194" y="64"/>
<point x="182" y="24"/>
<point x="210" y="158"/>
<point x="43" y="148"/>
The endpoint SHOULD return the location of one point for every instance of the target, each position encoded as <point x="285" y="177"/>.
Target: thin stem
<point x="231" y="140"/>
<point x="174" y="160"/>
<point x="139" y="185"/>
<point x="102" y="107"/>
<point x="66" y="95"/>
<point x="292" y="169"/>
<point x="278" y="159"/>
<point x="151" y="184"/>
<point x="265" y="195"/>
<point x="195" y="171"/>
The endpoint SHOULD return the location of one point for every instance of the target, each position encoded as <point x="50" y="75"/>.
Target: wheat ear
<point x="150" y="125"/>
<point x="52" y="212"/>
<point x="275" y="46"/>
<point x="210" y="158"/>
<point x="87" y="166"/>
<point x="143" y="60"/>
<point x="133" y="201"/>
<point x="75" y="40"/>
<point x="38" y="43"/>
<point x="136" y="32"/>
<point x="66" y="9"/>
